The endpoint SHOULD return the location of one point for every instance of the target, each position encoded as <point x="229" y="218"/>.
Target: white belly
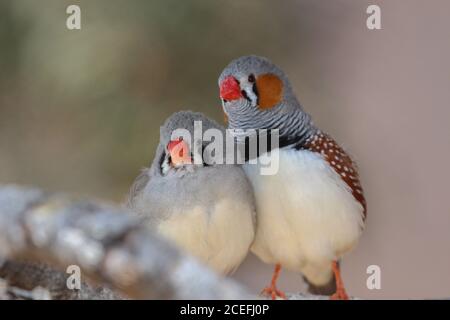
<point x="220" y="236"/>
<point x="306" y="214"/>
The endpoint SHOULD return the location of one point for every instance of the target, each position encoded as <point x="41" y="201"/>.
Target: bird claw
<point x="273" y="292"/>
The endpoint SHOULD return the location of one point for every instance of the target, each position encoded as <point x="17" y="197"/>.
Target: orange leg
<point x="340" y="293"/>
<point x="272" y="289"/>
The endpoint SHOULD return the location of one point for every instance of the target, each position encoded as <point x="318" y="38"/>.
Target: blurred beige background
<point x="80" y="110"/>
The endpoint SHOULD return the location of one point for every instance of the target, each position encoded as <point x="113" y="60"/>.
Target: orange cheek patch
<point x="270" y="90"/>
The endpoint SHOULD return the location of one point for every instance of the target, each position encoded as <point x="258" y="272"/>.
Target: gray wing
<point x="138" y="185"/>
<point x="143" y="178"/>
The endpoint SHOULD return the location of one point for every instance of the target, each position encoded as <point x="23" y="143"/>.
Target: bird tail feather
<point x="325" y="290"/>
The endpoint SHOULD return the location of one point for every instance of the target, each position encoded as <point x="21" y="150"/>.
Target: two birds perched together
<point x="304" y="217"/>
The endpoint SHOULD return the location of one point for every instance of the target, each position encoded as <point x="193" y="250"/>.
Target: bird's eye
<point x="251" y="78"/>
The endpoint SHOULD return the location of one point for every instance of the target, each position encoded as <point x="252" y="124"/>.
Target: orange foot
<point x="272" y="290"/>
<point x="340" y="293"/>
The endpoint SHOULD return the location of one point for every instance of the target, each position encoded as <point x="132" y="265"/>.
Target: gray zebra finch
<point x="204" y="208"/>
<point x="312" y="211"/>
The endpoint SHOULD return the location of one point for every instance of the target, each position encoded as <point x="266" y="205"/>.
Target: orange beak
<point x="179" y="152"/>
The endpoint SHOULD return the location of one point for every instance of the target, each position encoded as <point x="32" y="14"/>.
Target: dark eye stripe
<point x="244" y="94"/>
<point x="255" y="91"/>
<point x="161" y="161"/>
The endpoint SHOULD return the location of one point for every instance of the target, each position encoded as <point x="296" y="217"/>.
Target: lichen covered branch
<point x="106" y="242"/>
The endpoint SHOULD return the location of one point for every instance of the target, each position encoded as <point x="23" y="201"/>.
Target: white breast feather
<point x="220" y="237"/>
<point x="306" y="214"/>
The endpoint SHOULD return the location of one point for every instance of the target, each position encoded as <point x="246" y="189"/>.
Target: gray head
<point x="256" y="94"/>
<point x="179" y="141"/>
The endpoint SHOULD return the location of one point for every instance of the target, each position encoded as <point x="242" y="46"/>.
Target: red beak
<point x="230" y="89"/>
